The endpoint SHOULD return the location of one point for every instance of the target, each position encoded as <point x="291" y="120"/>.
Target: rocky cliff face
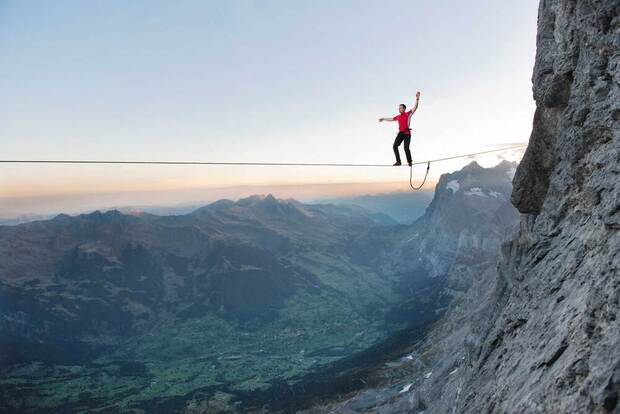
<point x="553" y="341"/>
<point x="456" y="241"/>
<point x="542" y="333"/>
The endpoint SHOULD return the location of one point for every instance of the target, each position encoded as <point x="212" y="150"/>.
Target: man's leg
<point x="397" y="141"/>
<point x="407" y="152"/>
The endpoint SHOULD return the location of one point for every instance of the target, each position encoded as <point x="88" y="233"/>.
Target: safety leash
<point x="428" y="167"/>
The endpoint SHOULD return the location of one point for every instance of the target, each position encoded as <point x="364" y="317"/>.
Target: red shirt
<point x="403" y="122"/>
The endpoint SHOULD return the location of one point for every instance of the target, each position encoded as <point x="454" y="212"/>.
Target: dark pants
<point x="400" y="138"/>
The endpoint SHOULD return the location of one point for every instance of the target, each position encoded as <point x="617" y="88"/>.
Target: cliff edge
<point x="552" y="341"/>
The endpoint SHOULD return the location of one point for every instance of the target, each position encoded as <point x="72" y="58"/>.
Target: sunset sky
<point x="270" y="81"/>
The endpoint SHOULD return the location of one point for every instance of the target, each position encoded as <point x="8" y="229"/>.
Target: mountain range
<point x="228" y="301"/>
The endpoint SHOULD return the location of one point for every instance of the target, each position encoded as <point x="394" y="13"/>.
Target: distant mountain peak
<point x="107" y="213"/>
<point x="219" y="205"/>
<point x="505" y="164"/>
<point x="470" y="189"/>
<point x="472" y="166"/>
<point x="61" y="217"/>
<point x="257" y="198"/>
<point x="262" y="207"/>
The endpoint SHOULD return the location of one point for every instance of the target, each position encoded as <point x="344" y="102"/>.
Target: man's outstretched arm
<point x="386" y="119"/>
<point x="417" y="101"/>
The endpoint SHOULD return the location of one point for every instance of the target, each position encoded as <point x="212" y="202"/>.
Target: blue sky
<point x="254" y="81"/>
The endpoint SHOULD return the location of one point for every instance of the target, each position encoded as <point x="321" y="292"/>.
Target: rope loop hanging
<point x="428" y="167"/>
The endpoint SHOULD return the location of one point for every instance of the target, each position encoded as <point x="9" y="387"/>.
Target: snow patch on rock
<point x="476" y="191"/>
<point x="453" y="185"/>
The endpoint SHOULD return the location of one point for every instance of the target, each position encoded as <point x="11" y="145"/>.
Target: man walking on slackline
<point x="404" y="132"/>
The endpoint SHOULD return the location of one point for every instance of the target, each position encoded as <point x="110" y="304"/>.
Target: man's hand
<point x="380" y="119"/>
<point x="417" y="101"/>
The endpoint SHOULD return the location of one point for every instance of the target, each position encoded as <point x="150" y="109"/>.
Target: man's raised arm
<point x="417" y="100"/>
